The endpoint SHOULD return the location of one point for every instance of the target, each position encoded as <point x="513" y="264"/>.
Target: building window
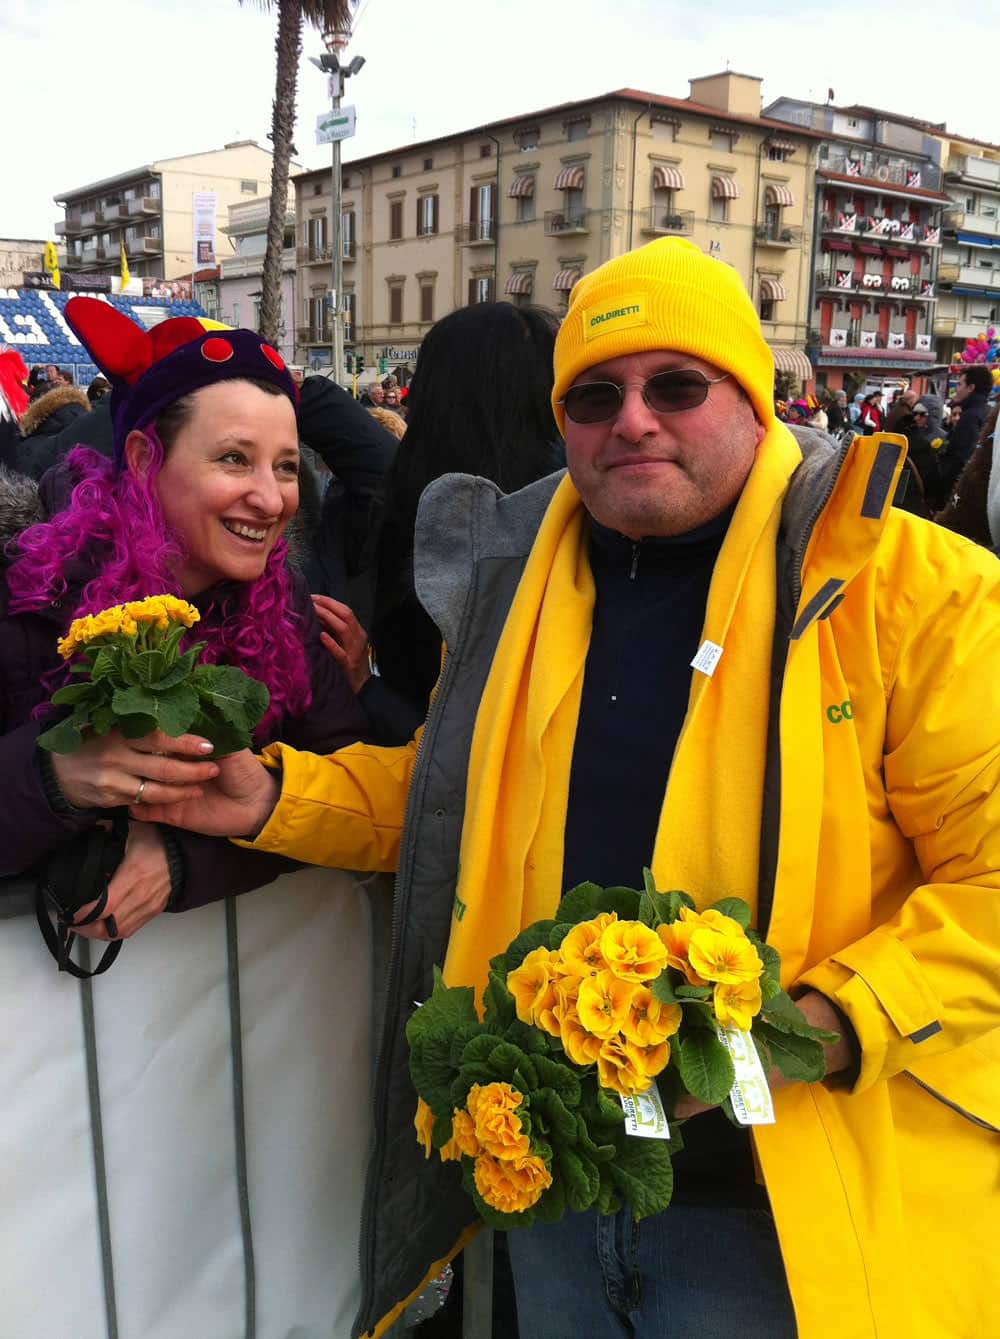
<point x="316" y="237"/>
<point x="397" y="169"/>
<point x="767" y="309"/>
<point x="578" y="129"/>
<point x="481" y="289"/>
<point x="248" y="188"/>
<point x="317" y="188"/>
<point x="525" y="208"/>
<point x="486" y="151"/>
<point x="970" y="204"/>
<point x="428" y="164"/>
<point x="772" y="221"/>
<point x="345" y="182"/>
<point x="396" y="304"/>
<point x="427" y="215"/>
<point x="256" y="299"/>
<point x="775" y="155"/>
<point x="721" y="140"/>
<point x="718" y="210"/>
<point x="350" y="312"/>
<point x="482" y="211"/>
<point x="527" y="139"/>
<point x="316" y="316"/>
<point x="664" y="129"/>
<point x="347" y="234"/>
<point x="395" y="220"/>
<point x="427" y="303"/>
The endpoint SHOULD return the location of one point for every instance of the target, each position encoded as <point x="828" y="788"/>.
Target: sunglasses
<point x="664" y="393"/>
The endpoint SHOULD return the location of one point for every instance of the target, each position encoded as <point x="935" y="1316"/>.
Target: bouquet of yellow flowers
<point x="132" y="675"/>
<point x="594" y="1024"/>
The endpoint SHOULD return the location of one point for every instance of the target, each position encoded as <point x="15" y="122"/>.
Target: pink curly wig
<point x="117" y="522"/>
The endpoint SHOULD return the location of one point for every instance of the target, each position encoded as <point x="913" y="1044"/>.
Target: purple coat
<point x="29" y="826"/>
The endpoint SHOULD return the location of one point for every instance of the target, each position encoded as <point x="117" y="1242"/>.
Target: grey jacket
<point x="470" y="549"/>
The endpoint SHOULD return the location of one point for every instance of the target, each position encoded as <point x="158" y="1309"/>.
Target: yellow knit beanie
<point x="665" y="295"/>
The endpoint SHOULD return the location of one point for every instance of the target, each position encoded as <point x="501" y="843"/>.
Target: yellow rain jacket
<point x="879" y="865"/>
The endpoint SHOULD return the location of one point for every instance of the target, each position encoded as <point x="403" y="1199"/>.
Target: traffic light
<point x="348" y="362"/>
<point x="359" y="364"/>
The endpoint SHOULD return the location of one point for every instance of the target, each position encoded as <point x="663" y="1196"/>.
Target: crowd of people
<point x="478" y="607"/>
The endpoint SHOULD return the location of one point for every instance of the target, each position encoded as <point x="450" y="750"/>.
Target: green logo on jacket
<point x="845" y="712"/>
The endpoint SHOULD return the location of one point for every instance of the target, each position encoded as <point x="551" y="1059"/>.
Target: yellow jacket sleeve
<point x="344" y="810"/>
<point x="927" y="980"/>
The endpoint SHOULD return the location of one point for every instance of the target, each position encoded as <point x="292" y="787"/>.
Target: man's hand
<point x="837" y="1055"/>
<point x="236" y="804"/>
<point x="344" y="638"/>
<point x="139" y="888"/>
<point x="109" y="770"/>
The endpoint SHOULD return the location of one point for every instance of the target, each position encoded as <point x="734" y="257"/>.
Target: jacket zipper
<point x="380" y="1095"/>
<point x="799" y="552"/>
<point x="635" y="562"/>
<point x="945" y="1101"/>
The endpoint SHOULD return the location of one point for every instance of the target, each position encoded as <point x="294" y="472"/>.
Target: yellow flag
<point x="52" y="264"/>
<point x="125" y="274"/>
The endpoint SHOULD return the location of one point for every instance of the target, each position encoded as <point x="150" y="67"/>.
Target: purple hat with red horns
<point x="151" y="369"/>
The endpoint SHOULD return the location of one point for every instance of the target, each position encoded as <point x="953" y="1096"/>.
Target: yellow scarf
<point x="518" y="784"/>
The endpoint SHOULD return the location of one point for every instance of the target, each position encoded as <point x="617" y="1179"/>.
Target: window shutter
<point x="419" y="229"/>
<point x="427" y="303"/>
<point x="493" y="200"/>
<point x="491" y="290"/>
<point x="474" y="206"/>
<point x="472" y="292"/>
<point x="434" y="227"/>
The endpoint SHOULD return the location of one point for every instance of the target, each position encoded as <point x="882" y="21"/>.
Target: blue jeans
<point x="693" y="1272"/>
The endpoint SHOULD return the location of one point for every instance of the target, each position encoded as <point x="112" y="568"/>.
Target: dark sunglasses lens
<point x="594" y="403"/>
<point x="671" y="392"/>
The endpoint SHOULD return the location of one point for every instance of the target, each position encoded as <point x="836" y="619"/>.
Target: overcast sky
<point x="93" y="88"/>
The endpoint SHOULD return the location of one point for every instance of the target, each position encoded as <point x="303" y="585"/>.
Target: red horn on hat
<point x="120" y="348"/>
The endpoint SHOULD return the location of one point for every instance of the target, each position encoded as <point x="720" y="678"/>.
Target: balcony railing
<point x="477" y="233"/>
<point x="149" y="204"/>
<point x="925" y="177"/>
<point x="981" y="223"/>
<point x="72" y="224"/>
<point x="348" y="249"/>
<point x="313" y="334"/>
<point x="875" y="344"/>
<point x="780" y="237"/>
<point x="313" y="255"/>
<point x="849" y="224"/>
<point x="659" y="221"/>
<point x="558" y="222"/>
<point x="88" y="220"/>
<point x="152" y="245"/>
<point x="969" y="168"/>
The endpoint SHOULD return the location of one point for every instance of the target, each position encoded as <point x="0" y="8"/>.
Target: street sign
<point x="335" y="124"/>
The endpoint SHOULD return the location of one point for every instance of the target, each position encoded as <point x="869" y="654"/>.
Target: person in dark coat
<point x="43" y="420"/>
<point x="202" y="483"/>
<point x="972" y="394"/>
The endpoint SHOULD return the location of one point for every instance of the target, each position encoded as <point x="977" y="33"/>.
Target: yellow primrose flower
<point x="530" y="983"/>
<point x="162" y="610"/>
<point x="633" y="951"/>
<point x="423" y="1123"/>
<point x="581" y="948"/>
<point x="463" y="1134"/>
<point x="581" y="1047"/>
<point x="737" y="1004"/>
<point x="676" y="939"/>
<point x="724" y="957"/>
<point x="649" y="1021"/>
<point x="512" y="1186"/>
<point x="603" y="1002"/>
<point x="621" y="1066"/>
<point x="712" y="920"/>
<point x="493" y="1108"/>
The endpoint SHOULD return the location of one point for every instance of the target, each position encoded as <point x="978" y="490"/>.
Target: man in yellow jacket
<point x="713" y="647"/>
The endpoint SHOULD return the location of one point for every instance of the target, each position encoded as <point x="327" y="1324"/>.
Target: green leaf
<point x="580" y="1177"/>
<point x="181" y="669"/>
<point x="558" y="933"/>
<point x="644" y="1174"/>
<point x="735" y="908"/>
<point x="559" y="1076"/>
<point x="225" y="738"/>
<point x="499" y="1009"/>
<point x="505" y="1061"/>
<point x="72" y="693"/>
<point x="63" y="737"/>
<point x="799" y="1059"/>
<point x="136" y="727"/>
<point x="607" y="1197"/>
<point x="552" y="1205"/>
<point x="470" y="1037"/>
<point x="624" y="901"/>
<point x="531" y="1040"/>
<point x="240" y="700"/>
<point x="535" y="936"/>
<point x="144" y="668"/>
<point x="783" y="1013"/>
<point x="108" y="665"/>
<point x="694" y="993"/>
<point x="447" y="1009"/>
<point x="102" y="719"/>
<point x="433" y="1073"/>
<point x="173" y="710"/>
<point x="662" y="987"/>
<point x="705" y="1066"/>
<point x="581" y="903"/>
<point x="552" y="1116"/>
<point x="698" y="1014"/>
<point x="662" y="908"/>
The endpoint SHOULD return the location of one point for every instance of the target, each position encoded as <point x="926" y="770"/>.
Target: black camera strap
<point x="74" y="875"/>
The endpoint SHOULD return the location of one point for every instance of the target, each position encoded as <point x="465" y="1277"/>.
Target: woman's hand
<point x="139" y="888"/>
<point x="236" y="804"/>
<point x="344" y="638"/>
<point x="110" y="770"/>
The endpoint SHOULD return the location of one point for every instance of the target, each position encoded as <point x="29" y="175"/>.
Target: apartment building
<point x="969" y="270"/>
<point x="521" y="208"/>
<point x="876" y="241"/>
<point x="150" y="207"/>
<point x="237" y="293"/>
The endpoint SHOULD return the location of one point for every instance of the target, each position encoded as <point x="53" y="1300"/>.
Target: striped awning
<point x="778" y="195"/>
<point x="569" y="179"/>
<point x="565" y="280"/>
<point x="782" y="145"/>
<point x="522" y="188"/>
<point x="794" y="361"/>
<point x="519" y="283"/>
<point x="725" y="188"/>
<point x="772" y="290"/>
<point x="667" y="178"/>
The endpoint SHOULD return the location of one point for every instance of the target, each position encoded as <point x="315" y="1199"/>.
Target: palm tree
<point x="327" y="15"/>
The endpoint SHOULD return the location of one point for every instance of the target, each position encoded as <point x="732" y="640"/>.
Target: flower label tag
<point x="750" y="1094"/>
<point x="709" y="655"/>
<point x="644" y="1114"/>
